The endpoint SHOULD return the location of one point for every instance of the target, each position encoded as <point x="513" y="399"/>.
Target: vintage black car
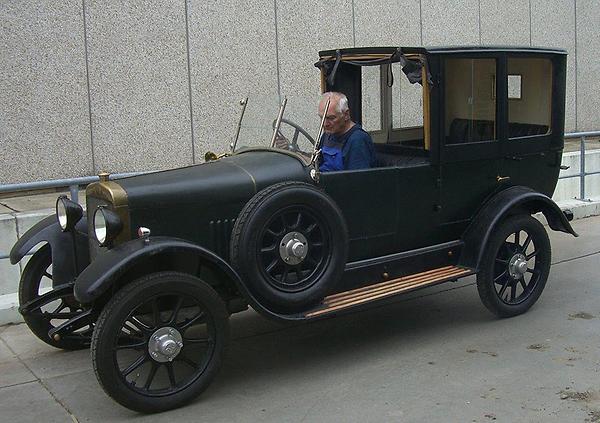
<point x="150" y="273"/>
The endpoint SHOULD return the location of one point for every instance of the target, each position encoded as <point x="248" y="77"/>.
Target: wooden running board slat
<point x="397" y="283"/>
<point x="368" y="288"/>
<point x="387" y="289"/>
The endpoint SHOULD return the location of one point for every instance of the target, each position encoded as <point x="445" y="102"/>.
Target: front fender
<point x="108" y="267"/>
<point x="106" y="270"/>
<point x="70" y="251"/>
<point x="513" y="199"/>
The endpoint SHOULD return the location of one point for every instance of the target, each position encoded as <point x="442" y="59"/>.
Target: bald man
<point x="345" y="144"/>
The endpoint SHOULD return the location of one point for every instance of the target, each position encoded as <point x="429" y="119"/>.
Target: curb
<point x="9" y="313"/>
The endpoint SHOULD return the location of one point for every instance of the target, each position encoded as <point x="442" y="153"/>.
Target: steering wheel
<point x="293" y="144"/>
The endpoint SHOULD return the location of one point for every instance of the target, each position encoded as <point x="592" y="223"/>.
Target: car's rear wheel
<point x="159" y="341"/>
<point x="289" y="245"/>
<point x="45" y="307"/>
<point x="515" y="266"/>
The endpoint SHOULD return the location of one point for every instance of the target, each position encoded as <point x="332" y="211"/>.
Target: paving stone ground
<point x="435" y="356"/>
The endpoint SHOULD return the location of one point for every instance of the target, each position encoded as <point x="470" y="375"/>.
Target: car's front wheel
<point x="515" y="266"/>
<point x="159" y="341"/>
<point x="45" y="307"/>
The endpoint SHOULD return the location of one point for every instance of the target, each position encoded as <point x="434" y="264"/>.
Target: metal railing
<point x="582" y="171"/>
<point x="72" y="183"/>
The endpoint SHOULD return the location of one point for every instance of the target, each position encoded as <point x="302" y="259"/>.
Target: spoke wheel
<point x="36" y="282"/>
<point x="294" y="249"/>
<point x="159" y="341"/>
<point x="289" y="245"/>
<point x="515" y="266"/>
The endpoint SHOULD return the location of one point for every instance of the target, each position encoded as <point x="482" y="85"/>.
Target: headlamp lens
<point x="68" y="213"/>
<point x="100" y="226"/>
<point x="61" y="213"/>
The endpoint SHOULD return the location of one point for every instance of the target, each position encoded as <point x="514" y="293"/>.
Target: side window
<point x="407" y="101"/>
<point x="371" y="98"/>
<point x="470" y="95"/>
<point x="407" y="109"/>
<point x="529" y="96"/>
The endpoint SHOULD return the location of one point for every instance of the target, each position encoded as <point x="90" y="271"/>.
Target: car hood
<point x="229" y="179"/>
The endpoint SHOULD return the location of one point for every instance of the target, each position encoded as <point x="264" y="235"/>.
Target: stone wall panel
<point x="44" y="119"/>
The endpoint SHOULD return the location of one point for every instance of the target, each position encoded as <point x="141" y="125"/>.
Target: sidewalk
<point x="435" y="356"/>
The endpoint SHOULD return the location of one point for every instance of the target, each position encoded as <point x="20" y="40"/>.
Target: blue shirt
<point x="351" y="150"/>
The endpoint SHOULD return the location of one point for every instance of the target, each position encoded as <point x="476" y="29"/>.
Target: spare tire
<point x="289" y="245"/>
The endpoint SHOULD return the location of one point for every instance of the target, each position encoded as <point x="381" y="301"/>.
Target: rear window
<point x="529" y="96"/>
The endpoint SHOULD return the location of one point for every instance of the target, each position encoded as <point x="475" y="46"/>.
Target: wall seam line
<point x="479" y="19"/>
<point x="530" y="26"/>
<point x="576" y="70"/>
<point x="87" y="78"/>
<point x="353" y="25"/>
<point x="277" y="52"/>
<point x="189" y="71"/>
<point x="421" y="19"/>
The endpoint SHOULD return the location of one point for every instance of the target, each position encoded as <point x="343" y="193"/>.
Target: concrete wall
<point x="90" y="85"/>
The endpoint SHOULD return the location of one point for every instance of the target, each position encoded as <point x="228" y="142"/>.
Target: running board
<point x="386" y="289"/>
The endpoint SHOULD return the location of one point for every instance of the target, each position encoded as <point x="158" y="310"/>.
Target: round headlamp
<point x="68" y="213"/>
<point x="107" y="226"/>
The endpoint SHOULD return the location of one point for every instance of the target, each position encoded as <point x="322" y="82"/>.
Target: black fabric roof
<point x="441" y="50"/>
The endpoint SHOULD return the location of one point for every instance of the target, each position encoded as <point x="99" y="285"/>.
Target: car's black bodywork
<point x="426" y="214"/>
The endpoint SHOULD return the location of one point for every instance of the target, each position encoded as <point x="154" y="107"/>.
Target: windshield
<point x="298" y="127"/>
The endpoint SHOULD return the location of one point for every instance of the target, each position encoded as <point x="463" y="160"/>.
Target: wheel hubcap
<point x="165" y="344"/>
<point x="517" y="266"/>
<point x="293" y="248"/>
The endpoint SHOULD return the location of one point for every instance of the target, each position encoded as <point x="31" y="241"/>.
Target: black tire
<point x="262" y="228"/>
<point x="518" y="242"/>
<point x="125" y="355"/>
<point x="36" y="279"/>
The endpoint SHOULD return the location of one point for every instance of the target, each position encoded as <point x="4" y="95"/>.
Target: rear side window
<point x="529" y="96"/>
<point x="470" y="100"/>
<point x="371" y="98"/>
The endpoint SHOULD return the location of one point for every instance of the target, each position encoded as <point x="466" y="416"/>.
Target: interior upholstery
<point x="389" y="155"/>
<point x="466" y="130"/>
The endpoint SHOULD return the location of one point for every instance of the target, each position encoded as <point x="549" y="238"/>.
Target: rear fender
<point x="70" y="252"/>
<point x="511" y="201"/>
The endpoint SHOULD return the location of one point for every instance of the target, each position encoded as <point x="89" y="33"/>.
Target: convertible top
<point x="363" y="55"/>
<point x="410" y="58"/>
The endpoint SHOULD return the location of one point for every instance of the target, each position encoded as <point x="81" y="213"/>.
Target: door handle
<point x="502" y="178"/>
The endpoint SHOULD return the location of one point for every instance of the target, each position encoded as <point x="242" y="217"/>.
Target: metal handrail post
<point x="74" y="189"/>
<point x="582" y="169"/>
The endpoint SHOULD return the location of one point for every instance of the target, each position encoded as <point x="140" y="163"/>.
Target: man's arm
<point x="358" y="154"/>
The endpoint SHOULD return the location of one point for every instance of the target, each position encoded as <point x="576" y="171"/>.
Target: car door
<point x="387" y="209"/>
<point x="369" y="202"/>
<point x="532" y="147"/>
<point x="469" y="147"/>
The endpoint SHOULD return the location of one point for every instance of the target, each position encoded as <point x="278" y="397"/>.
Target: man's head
<point x="337" y="120"/>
